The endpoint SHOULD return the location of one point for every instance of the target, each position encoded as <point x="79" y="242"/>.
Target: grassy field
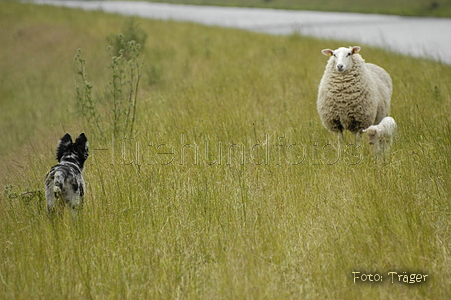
<point x="229" y="187"/>
<point x="432" y="8"/>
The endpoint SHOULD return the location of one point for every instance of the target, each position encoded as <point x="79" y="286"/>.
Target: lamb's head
<point x="342" y="57"/>
<point x="373" y="133"/>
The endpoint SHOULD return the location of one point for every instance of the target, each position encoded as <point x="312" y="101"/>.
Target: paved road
<point x="421" y="37"/>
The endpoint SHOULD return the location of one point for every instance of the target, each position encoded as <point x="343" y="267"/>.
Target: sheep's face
<point x="342" y="57"/>
<point x="373" y="134"/>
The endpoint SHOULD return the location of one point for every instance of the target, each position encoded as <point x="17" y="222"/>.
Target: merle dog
<point x="64" y="183"/>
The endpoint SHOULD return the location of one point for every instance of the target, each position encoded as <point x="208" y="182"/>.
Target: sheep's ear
<point x="355" y="49"/>
<point x="327" y="52"/>
<point x="364" y="130"/>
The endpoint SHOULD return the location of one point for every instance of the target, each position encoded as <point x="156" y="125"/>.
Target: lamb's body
<point x="352" y="94"/>
<point x="381" y="135"/>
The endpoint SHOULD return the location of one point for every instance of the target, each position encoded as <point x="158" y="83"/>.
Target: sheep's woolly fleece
<point x="353" y="97"/>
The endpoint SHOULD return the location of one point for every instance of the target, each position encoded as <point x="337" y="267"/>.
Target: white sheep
<point x="352" y="94"/>
<point x="381" y="135"/>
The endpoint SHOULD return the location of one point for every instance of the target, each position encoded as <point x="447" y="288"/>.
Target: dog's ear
<point x="81" y="139"/>
<point x="63" y="145"/>
<point x="82" y="143"/>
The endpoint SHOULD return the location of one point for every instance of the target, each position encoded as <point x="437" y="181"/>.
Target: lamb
<point x="352" y="94"/>
<point x="381" y="135"/>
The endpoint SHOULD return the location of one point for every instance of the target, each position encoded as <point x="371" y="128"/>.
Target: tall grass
<point x="176" y="211"/>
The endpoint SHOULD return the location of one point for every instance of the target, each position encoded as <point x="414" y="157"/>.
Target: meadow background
<point x="433" y="8"/>
<point x="287" y="223"/>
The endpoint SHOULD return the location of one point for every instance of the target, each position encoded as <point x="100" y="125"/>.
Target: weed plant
<point x="131" y="31"/>
<point x="122" y="92"/>
<point x="230" y="187"/>
<point x="83" y="90"/>
<point x="124" y="84"/>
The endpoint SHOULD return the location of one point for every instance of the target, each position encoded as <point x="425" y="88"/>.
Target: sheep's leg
<point x="341" y="140"/>
<point x="389" y="143"/>
<point x="340" y="137"/>
<point x="358" y="138"/>
<point x="378" y="147"/>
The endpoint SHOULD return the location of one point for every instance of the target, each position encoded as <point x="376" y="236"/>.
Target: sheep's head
<point x="373" y="133"/>
<point x="342" y="57"/>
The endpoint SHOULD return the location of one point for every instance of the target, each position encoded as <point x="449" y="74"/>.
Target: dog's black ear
<point x="81" y="139"/>
<point x="63" y="145"/>
<point x="82" y="143"/>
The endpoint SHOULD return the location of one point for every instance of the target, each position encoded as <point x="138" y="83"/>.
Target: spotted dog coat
<point x="64" y="183"/>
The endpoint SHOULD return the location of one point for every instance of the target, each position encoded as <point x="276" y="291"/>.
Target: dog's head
<point x="73" y="152"/>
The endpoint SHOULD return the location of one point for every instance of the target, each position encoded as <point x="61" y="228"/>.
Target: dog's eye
<point x="349" y="54"/>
